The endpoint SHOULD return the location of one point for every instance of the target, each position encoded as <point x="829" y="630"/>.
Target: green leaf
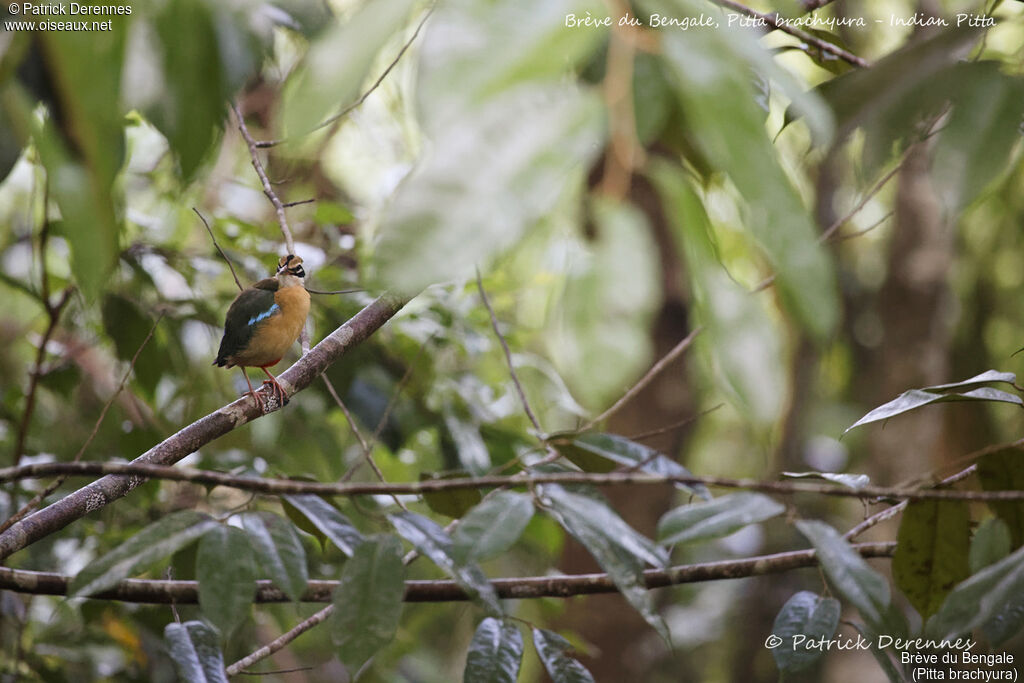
<point x="978" y="139"/>
<point x="368" y="601"/>
<point x="851" y="481"/>
<point x="617" y="547"/>
<point x="326" y="518"/>
<point x="851" y="577"/>
<point x="739" y="335"/>
<point x="128" y="326"/>
<point x="189" y="106"/>
<point x="82" y="145"/>
<point x="808" y="615"/>
<point x="600" y="336"/>
<point x="990" y="544"/>
<point x="716" y="518"/>
<point x="728" y="126"/>
<point x="916" y="398"/>
<point x="931" y="553"/>
<point x="981" y="598"/>
<point x="195" y="650"/>
<point x="613" y="450"/>
<point x="491" y="172"/>
<point x="280" y="551"/>
<point x="881" y="655"/>
<point x="431" y="540"/>
<point x="495" y="653"/>
<point x="1003" y="470"/>
<point x="553" y="651"/>
<point x="492" y="527"/>
<point x="160" y="539"/>
<point x="227" y="573"/>
<point x="491" y="48"/>
<point x="337" y="64"/>
<point x="454" y="503"/>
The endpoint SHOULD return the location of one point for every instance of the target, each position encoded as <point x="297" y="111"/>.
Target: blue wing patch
<point x="265" y="314"/>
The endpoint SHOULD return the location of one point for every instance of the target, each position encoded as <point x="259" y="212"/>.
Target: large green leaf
<point x="495" y="653"/>
<point x="728" y="126"/>
<point x="82" y="145"/>
<point x="600" y="340"/>
<point x="617" y="547"/>
<point x="991" y="543"/>
<point x="188" y="102"/>
<point x="553" y="651"/>
<point x="740" y="336"/>
<point x="160" y="539"/>
<point x="981" y="598"/>
<point x="368" y="601"/>
<point x="1003" y="470"/>
<point x="325" y="517"/>
<point x="808" y="615"/>
<point x="978" y="139"/>
<point x="851" y="577"/>
<point x="612" y="450"/>
<point x="431" y="540"/>
<point x="227" y="573"/>
<point x="337" y="64"/>
<point x="195" y="650"/>
<point x="279" y="550"/>
<point x="488" y="175"/>
<point x="490" y="528"/>
<point x="716" y="518"/>
<point x="932" y="551"/>
<point x="968" y="390"/>
<point x="488" y="48"/>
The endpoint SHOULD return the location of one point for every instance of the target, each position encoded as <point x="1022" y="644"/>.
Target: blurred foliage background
<point x="839" y="233"/>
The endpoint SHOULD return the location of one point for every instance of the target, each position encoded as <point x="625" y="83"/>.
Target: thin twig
<point x="362" y="98"/>
<point x="275" y="486"/>
<point x="226" y="259"/>
<point x="289" y="205"/>
<point x="777" y="21"/>
<point x="508" y="357"/>
<point x="53" y="312"/>
<point x="53" y="486"/>
<point x="676" y="351"/>
<point x="895" y="510"/>
<point x="367" y="451"/>
<point x="675" y="425"/>
<point x="859" y="233"/>
<point x="280" y="642"/>
<point x="268" y="189"/>
<point x="838" y="223"/>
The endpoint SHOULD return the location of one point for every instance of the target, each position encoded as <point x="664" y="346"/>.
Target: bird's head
<point x="290" y="266"/>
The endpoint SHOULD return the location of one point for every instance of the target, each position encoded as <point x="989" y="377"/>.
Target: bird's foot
<point x="276" y="398"/>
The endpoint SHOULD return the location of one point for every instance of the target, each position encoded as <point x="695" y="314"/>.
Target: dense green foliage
<point x="840" y="234"/>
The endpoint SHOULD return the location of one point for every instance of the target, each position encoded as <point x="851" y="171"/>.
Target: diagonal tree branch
<point x="521" y="588"/>
<point x="201" y="432"/>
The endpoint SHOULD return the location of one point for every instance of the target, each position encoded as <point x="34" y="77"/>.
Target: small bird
<point x="263" y="322"/>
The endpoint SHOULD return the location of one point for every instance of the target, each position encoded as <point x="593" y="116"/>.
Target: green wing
<point x="247" y="312"/>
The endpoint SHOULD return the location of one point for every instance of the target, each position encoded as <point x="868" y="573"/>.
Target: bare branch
<point x="281" y="641"/>
<point x="108" y="489"/>
<point x="676" y="351"/>
<point x="518" y="588"/>
<point x="53" y="311"/>
<point x="268" y="188"/>
<point x="362" y="98"/>
<point x="139" y="470"/>
<point x="508" y="357"/>
<point x="226" y="259"/>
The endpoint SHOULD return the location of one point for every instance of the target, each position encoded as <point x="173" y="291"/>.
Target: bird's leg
<point x="276" y="389"/>
<point x="252" y="392"/>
